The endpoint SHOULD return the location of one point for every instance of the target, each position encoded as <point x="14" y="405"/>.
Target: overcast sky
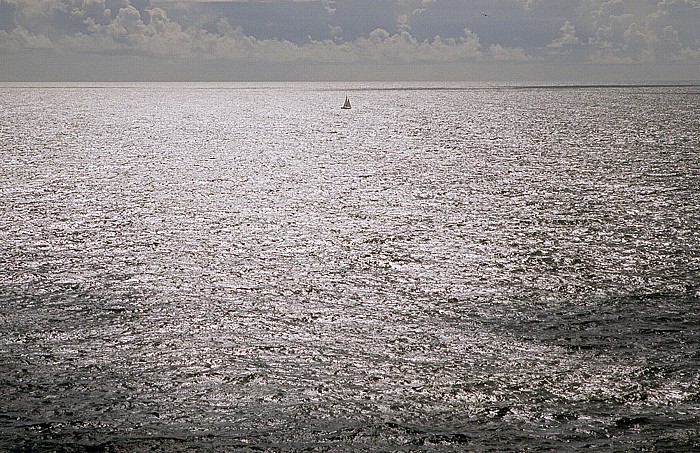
<point x="502" y="40"/>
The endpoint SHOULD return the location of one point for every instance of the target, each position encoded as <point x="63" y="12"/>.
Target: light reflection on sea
<point x="235" y="266"/>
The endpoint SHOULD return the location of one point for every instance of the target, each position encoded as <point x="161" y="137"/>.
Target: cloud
<point x="122" y="28"/>
<point x="20" y="40"/>
<point x="500" y="53"/>
<point x="329" y="5"/>
<point x="380" y="32"/>
<point x="645" y="31"/>
<point x="566" y="39"/>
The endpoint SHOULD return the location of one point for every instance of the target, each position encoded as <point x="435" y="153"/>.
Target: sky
<point x="345" y="40"/>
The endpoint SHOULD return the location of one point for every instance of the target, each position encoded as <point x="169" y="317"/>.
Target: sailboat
<point x="347" y="103"/>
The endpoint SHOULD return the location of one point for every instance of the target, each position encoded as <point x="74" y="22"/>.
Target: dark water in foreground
<point x="232" y="267"/>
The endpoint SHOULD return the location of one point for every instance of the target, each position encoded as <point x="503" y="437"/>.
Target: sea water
<point x="442" y="267"/>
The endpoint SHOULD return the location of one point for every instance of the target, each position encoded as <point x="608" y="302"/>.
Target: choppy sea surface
<point x="249" y="267"/>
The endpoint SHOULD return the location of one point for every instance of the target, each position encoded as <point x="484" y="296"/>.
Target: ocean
<point x="443" y="267"/>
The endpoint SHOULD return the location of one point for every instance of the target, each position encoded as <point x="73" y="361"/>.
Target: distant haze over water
<point x="441" y="267"/>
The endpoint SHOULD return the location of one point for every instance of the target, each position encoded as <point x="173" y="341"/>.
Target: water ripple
<point x="433" y="270"/>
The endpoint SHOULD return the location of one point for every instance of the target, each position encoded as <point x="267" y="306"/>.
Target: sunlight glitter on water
<point x="488" y="268"/>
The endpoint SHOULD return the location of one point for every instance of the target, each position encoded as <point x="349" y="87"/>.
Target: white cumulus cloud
<point x="382" y="32"/>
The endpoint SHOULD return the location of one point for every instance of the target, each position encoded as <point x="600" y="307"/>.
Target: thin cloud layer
<point x="365" y="32"/>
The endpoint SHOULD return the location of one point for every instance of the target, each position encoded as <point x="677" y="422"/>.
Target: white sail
<point x="347" y="103"/>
